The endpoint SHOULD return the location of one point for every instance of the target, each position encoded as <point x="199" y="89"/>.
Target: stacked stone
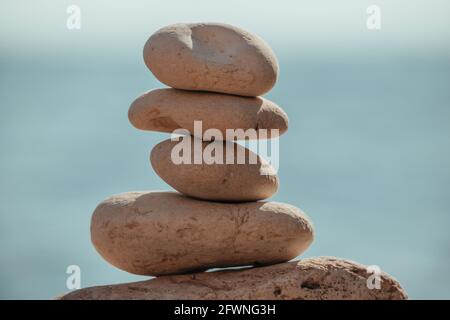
<point x="216" y="73"/>
<point x="218" y="218"/>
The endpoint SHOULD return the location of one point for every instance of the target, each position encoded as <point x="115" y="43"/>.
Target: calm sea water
<point x="366" y="156"/>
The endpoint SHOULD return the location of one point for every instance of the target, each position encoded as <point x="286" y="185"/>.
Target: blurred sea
<point x="366" y="157"/>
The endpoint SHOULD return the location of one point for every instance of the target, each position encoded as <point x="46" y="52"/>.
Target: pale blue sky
<point x="39" y="27"/>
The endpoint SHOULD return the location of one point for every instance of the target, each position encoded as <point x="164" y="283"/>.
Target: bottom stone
<point x="323" y="278"/>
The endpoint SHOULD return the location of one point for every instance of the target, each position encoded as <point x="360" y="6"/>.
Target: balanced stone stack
<point x="217" y="219"/>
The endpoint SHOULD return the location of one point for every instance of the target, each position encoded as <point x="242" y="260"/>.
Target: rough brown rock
<point x="156" y="233"/>
<point x="166" y="110"/>
<point x="254" y="179"/>
<point x="322" y="278"/>
<point x="211" y="57"/>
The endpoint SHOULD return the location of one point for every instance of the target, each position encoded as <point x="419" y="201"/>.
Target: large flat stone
<point x="317" y="278"/>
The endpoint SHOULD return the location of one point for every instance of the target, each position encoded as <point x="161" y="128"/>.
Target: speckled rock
<point x="157" y="233"/>
<point x="323" y="278"/>
<point x="211" y="57"/>
<point x="166" y="110"/>
<point x="253" y="179"/>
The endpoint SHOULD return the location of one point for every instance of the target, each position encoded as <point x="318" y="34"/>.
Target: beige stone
<point x="252" y="179"/>
<point x="211" y="57"/>
<point x="157" y="233"/>
<point x="166" y="110"/>
<point x="322" y="278"/>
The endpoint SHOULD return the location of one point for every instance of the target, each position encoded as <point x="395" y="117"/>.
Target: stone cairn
<point x="217" y="74"/>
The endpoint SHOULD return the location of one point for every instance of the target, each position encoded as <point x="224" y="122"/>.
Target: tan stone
<point x="166" y="110"/>
<point x="255" y="179"/>
<point x="323" y="278"/>
<point x="211" y="57"/>
<point x="156" y="233"/>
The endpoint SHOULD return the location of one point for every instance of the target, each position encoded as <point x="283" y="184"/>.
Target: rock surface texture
<point x="167" y="110"/>
<point x="211" y="57"/>
<point x="253" y="179"/>
<point x="157" y="233"/>
<point x="322" y="278"/>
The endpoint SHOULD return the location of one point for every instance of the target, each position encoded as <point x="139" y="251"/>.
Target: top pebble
<point x="211" y="57"/>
